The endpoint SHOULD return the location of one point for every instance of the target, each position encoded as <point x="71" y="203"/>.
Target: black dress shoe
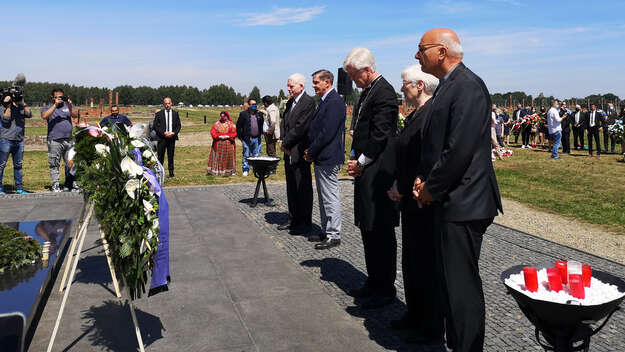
<point x="317" y="237"/>
<point x="362" y="292"/>
<point x="284" y="227"/>
<point x="328" y="243"/>
<point x="377" y="302"/>
<point x="171" y="174"/>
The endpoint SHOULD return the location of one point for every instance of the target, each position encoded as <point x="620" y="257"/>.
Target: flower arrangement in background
<point x="617" y="131"/>
<point x="16" y="249"/>
<point x="117" y="170"/>
<point x="401" y="121"/>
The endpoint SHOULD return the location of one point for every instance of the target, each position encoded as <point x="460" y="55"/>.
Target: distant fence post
<point x="205" y="119"/>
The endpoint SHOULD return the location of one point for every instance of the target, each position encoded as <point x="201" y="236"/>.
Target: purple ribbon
<point x="160" y="274"/>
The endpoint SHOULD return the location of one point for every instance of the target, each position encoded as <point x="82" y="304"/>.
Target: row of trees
<point x="39" y="92"/>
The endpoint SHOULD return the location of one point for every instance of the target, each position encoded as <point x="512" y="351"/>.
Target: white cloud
<point x="280" y="16"/>
<point x="509" y="2"/>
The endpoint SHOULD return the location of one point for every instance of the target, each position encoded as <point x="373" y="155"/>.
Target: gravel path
<point x="564" y="230"/>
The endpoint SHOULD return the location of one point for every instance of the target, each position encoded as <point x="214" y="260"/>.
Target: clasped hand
<point x="421" y="193"/>
<point x="353" y="169"/>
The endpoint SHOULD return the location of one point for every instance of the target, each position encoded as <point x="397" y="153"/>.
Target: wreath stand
<point x="74" y="257"/>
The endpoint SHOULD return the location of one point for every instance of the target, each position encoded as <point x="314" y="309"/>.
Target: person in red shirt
<point x="222" y="155"/>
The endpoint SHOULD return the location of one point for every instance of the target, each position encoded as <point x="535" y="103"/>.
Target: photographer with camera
<point x="12" y="114"/>
<point x="59" y="115"/>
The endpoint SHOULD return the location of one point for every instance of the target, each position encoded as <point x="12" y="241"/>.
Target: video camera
<point x="16" y="91"/>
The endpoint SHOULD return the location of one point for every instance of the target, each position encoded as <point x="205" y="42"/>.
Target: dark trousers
<point x="606" y="137"/>
<point x="566" y="141"/>
<point x="458" y="253"/>
<point x="380" y="247"/>
<point x="578" y="137"/>
<point x="168" y="144"/>
<point x="299" y="192"/>
<point x="593" y="132"/>
<point x="417" y="262"/>
<point x="270" y="142"/>
<point x="525" y="135"/>
<point x="516" y="137"/>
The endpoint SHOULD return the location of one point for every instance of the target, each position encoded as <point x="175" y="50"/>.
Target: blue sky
<point x="560" y="48"/>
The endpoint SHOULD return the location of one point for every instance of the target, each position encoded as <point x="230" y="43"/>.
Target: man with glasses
<point x="375" y="124"/>
<point x="458" y="181"/>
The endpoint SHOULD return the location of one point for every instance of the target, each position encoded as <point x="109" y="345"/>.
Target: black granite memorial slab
<point x="24" y="292"/>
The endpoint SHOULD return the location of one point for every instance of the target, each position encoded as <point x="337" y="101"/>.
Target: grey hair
<point x="360" y="58"/>
<point x="454" y="49"/>
<point x="298" y="78"/>
<point x="414" y="74"/>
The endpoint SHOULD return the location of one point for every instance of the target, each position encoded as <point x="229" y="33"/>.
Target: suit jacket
<point x="244" y="126"/>
<point x="521" y="113"/>
<point x="582" y="119"/>
<point x="296" y="123"/>
<point x="376" y="122"/>
<point x="160" y="125"/>
<point x="565" y="123"/>
<point x="456" y="150"/>
<point x="326" y="131"/>
<point x="598" y="121"/>
<point x="408" y="153"/>
<point x="611" y="116"/>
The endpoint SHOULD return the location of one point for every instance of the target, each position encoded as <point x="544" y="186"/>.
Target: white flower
<point x="129" y="166"/>
<point x="136" y="130"/>
<point x="147" y="154"/>
<point x="137" y="143"/>
<point x="150" y="234"/>
<point x="105" y="128"/>
<point x="147" y="206"/>
<point x="142" y="248"/>
<point x="97" y="166"/>
<point x="102" y="149"/>
<point x="131" y="187"/>
<point x="155" y="224"/>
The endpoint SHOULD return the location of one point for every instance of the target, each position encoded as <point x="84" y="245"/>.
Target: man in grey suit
<point x="327" y="151"/>
<point x="297" y="116"/>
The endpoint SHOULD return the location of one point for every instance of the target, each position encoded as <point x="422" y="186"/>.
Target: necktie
<point x="592" y="119"/>
<point x="168" y="121"/>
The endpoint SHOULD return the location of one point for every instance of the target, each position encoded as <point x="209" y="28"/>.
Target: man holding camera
<point x="59" y="117"/>
<point x="12" y="114"/>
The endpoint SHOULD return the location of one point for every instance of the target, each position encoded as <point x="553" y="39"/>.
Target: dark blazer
<point x="244" y="126"/>
<point x="408" y="151"/>
<point x="326" y="131"/>
<point x="295" y="126"/>
<point x="376" y="122"/>
<point x="521" y="113"/>
<point x="611" y="116"/>
<point x="566" y="122"/>
<point x="456" y="150"/>
<point x="582" y="119"/>
<point x="598" y="121"/>
<point x="160" y="125"/>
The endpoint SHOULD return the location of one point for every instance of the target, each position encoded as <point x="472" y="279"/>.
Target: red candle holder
<point x="561" y="265"/>
<point x="576" y="285"/>
<point x="555" y="281"/>
<point x="531" y="278"/>
<point x="586" y="275"/>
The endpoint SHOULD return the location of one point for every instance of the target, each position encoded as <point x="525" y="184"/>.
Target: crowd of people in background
<point x="553" y="129"/>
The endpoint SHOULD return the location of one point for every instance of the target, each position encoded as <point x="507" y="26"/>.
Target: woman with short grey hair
<point x="421" y="317"/>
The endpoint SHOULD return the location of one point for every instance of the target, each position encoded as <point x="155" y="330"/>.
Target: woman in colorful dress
<point x="222" y="155"/>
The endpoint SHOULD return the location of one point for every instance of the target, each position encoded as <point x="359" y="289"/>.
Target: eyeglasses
<point x="423" y="48"/>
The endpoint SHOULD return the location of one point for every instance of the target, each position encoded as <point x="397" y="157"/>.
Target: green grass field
<point x="585" y="188"/>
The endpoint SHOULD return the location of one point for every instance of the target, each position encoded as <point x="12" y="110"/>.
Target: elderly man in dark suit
<point x="578" y="125"/>
<point x="167" y="126"/>
<point x="297" y="116"/>
<point x="375" y="123"/>
<point x="327" y="151"/>
<point x="593" y="126"/>
<point x="458" y="181"/>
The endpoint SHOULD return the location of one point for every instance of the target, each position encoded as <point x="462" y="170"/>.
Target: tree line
<point x="38" y="93"/>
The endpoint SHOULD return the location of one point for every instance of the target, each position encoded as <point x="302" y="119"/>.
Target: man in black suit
<point x="518" y="114"/>
<point x="578" y="125"/>
<point x="593" y="126"/>
<point x="327" y="151"/>
<point x="610" y="119"/>
<point x="375" y="123"/>
<point x="167" y="126"/>
<point x="297" y="116"/>
<point x="566" y="128"/>
<point x="458" y="181"/>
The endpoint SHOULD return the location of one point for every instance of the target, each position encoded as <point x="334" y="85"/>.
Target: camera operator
<point x="59" y="115"/>
<point x="12" y="114"/>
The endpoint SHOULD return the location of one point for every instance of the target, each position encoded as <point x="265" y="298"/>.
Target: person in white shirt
<point x="555" y="127"/>
<point x="271" y="126"/>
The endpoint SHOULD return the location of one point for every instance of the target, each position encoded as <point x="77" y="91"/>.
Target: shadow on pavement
<point x="110" y="327"/>
<point x="376" y="321"/>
